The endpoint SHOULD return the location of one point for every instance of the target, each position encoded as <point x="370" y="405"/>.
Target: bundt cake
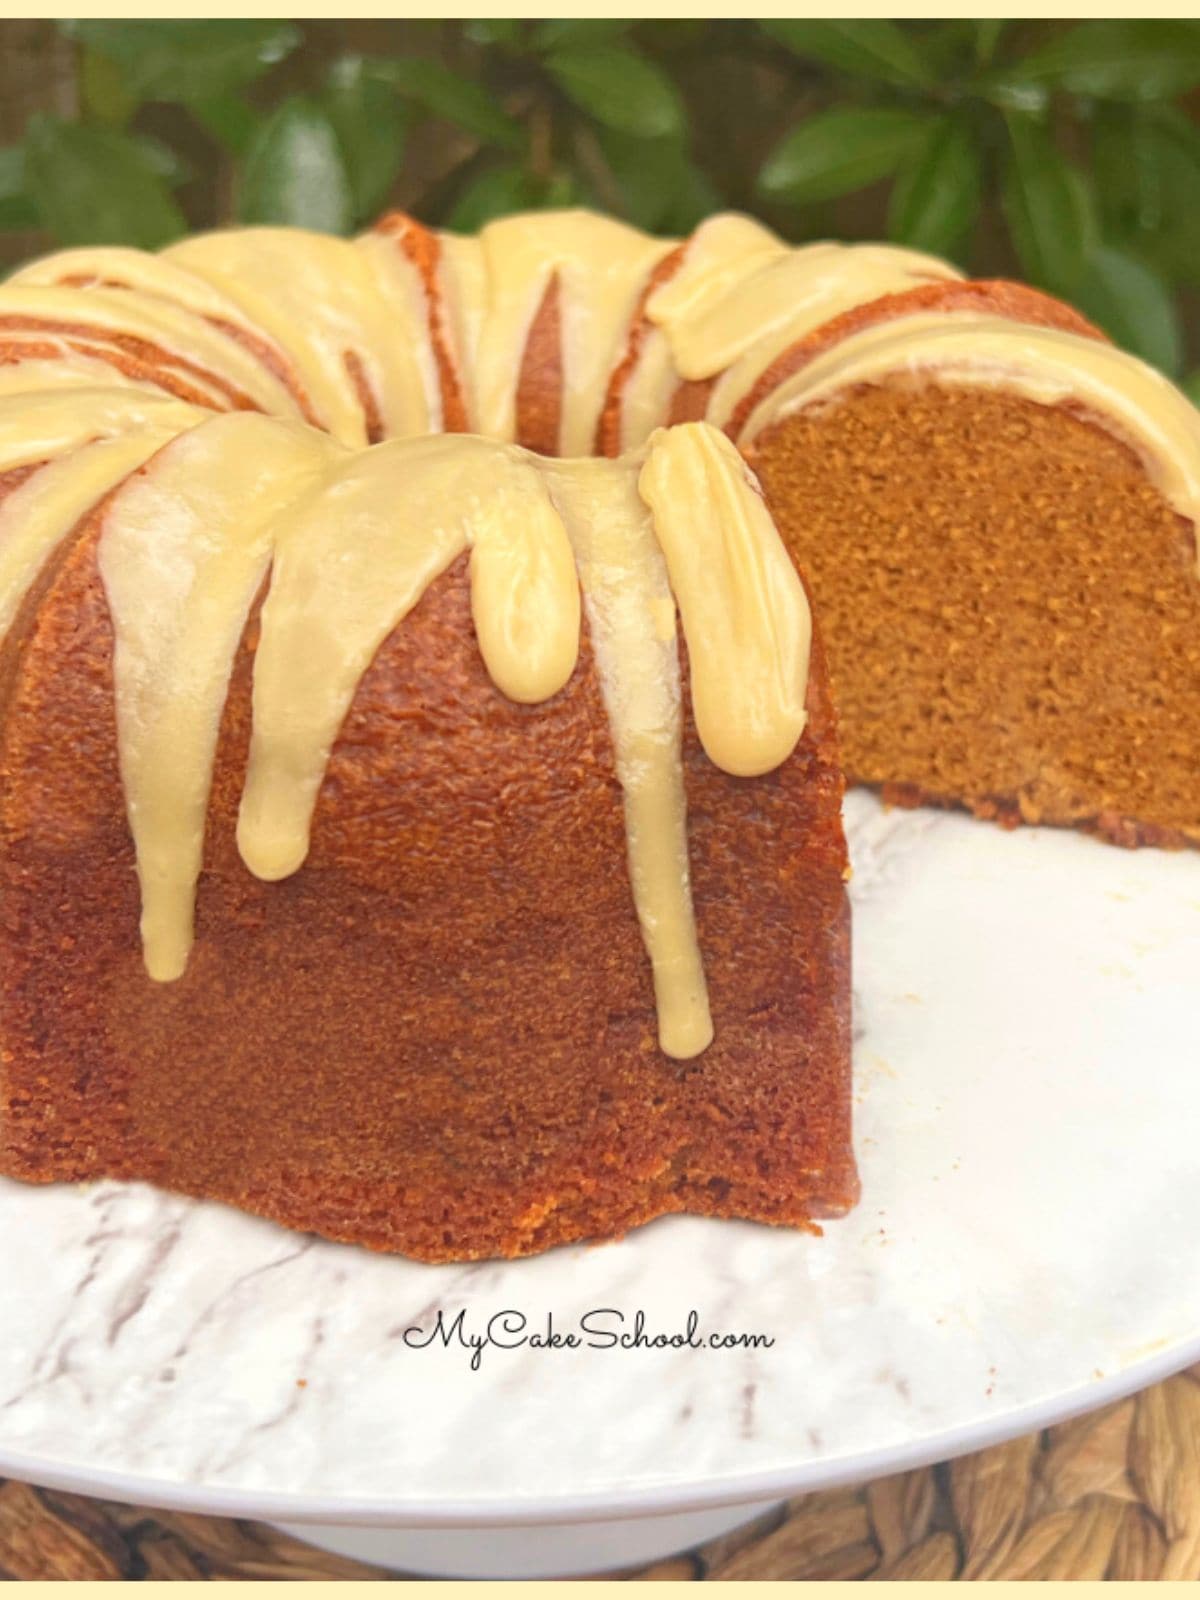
<point x="366" y="604"/>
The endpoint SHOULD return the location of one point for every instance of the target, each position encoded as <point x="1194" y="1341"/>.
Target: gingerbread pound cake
<point x="420" y="795"/>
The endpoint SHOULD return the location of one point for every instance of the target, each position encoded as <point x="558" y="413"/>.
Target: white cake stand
<point x="1028" y="1100"/>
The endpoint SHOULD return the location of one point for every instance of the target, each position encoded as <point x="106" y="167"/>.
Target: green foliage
<point x="495" y="192"/>
<point x="491" y="31"/>
<point x="1120" y="60"/>
<point x="16" y="209"/>
<point x="1132" y="303"/>
<point x="370" y="123"/>
<point x="1064" y="152"/>
<point x="936" y="197"/>
<point x="294" y="172"/>
<point x="186" y="60"/>
<point x="229" y="119"/>
<point x="620" y="88"/>
<point x="454" y="98"/>
<point x="574" y="31"/>
<point x="658" y="187"/>
<point x="1042" y="203"/>
<point x="838" y="151"/>
<point x="94" y="185"/>
<point x="103" y="90"/>
<point x="865" y="49"/>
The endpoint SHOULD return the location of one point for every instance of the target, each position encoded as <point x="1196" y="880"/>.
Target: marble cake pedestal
<point x="1027" y="1100"/>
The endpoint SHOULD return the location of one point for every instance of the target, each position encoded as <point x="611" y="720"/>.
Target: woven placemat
<point x="1115" y="1494"/>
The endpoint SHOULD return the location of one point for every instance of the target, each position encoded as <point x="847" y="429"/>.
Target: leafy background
<point x="1064" y="153"/>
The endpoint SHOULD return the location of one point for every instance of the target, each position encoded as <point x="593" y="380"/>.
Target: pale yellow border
<point x="767" y="8"/>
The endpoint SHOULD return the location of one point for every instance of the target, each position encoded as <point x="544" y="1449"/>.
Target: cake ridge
<point x="429" y="324"/>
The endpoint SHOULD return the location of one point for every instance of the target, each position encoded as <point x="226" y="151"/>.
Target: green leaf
<point x="643" y="171"/>
<point x="1125" y="173"/>
<point x="94" y="185"/>
<point x="936" y="197"/>
<point x="576" y="31"/>
<point x="987" y="37"/>
<point x="1133" y="304"/>
<point x="948" y="49"/>
<point x="620" y="88"/>
<point x="661" y="188"/>
<point x="103" y="91"/>
<point x="1191" y="387"/>
<point x="16" y="209"/>
<point x="490" y="31"/>
<point x="1128" y="59"/>
<point x="1008" y="91"/>
<point x="675" y="35"/>
<point x="371" y="125"/>
<point x="456" y="99"/>
<point x="189" y="59"/>
<point x="864" y="48"/>
<point x="1175" y="149"/>
<point x="294" y="173"/>
<point x="838" y="151"/>
<point x="564" y="188"/>
<point x="693" y="198"/>
<point x="162" y="161"/>
<point x="1084" y="218"/>
<point x="1147" y="165"/>
<point x="1042" y="204"/>
<point x="230" y="120"/>
<point x="494" y="193"/>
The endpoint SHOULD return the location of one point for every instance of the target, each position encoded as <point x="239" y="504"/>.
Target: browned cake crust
<point x="985" y="296"/>
<point x="438" y="1037"/>
<point x="1011" y="608"/>
<point x="423" y="249"/>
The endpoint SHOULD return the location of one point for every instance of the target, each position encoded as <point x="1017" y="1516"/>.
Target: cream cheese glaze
<point x="185" y="547"/>
<point x="744" y="609"/>
<point x="266" y="406"/>
<point x="182" y="553"/>
<point x="351" y="539"/>
<point x="632" y="624"/>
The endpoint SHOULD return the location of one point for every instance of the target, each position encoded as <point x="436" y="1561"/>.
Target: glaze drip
<point x="631" y="620"/>
<point x="183" y="551"/>
<point x="744" y="609"/>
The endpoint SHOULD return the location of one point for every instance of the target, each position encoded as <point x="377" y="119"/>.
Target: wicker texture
<point x="1112" y="1495"/>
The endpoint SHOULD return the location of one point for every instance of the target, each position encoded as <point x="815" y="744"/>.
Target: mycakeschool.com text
<point x="603" y="1328"/>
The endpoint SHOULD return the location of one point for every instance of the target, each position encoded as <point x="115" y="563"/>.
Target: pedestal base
<point x="541" y="1550"/>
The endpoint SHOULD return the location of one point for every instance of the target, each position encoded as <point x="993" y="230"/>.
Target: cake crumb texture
<point x="1010" y="607"/>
